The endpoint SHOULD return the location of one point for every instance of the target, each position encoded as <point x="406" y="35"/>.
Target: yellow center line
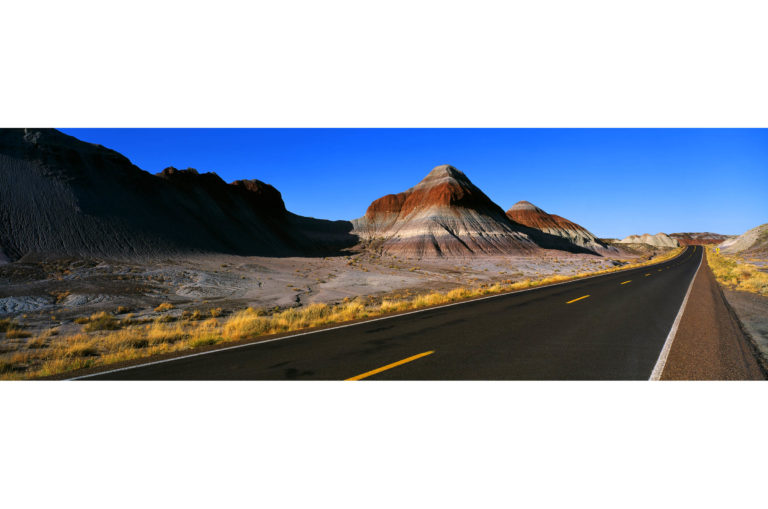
<point x="390" y="366"/>
<point x="574" y="300"/>
<point x="625" y="282"/>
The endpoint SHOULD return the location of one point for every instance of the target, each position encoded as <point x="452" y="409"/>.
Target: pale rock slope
<point x="558" y="232"/>
<point x="752" y="240"/>
<point x="658" y="240"/>
<point x="443" y="215"/>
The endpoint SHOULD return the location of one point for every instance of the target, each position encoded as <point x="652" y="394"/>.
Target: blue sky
<point x="615" y="182"/>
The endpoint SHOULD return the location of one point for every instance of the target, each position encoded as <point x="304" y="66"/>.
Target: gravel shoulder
<point x="710" y="343"/>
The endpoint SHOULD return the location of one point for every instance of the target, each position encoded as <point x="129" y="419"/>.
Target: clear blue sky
<point x="615" y="182"/>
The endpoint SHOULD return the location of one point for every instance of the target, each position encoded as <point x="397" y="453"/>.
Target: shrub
<point x="61" y="296"/>
<point x="165" y="306"/>
<point x="7" y="323"/>
<point x="17" y="334"/>
<point x="159" y="334"/>
<point x="38" y="342"/>
<point x="82" y="349"/>
<point x="204" y="340"/>
<point x="102" y="321"/>
<point x="139" y="343"/>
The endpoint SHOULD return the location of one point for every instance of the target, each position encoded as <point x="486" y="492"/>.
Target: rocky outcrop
<point x="557" y="232"/>
<point x="753" y="241"/>
<point x="698" y="238"/>
<point x="62" y="196"/>
<point x="658" y="240"/>
<point x="443" y="215"/>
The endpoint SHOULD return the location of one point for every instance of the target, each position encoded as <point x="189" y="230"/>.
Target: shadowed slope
<point x="557" y="232"/>
<point x="62" y="196"/>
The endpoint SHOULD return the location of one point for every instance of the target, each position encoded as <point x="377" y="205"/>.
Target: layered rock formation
<point x="658" y="240"/>
<point x="62" y="196"/>
<point x="443" y="215"/>
<point x="752" y="241"/>
<point x="556" y="232"/>
<point x="698" y="238"/>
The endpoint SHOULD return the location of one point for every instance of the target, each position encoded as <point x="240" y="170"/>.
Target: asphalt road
<point x="610" y="327"/>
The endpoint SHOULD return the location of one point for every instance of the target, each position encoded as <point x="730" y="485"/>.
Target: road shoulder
<point x="710" y="343"/>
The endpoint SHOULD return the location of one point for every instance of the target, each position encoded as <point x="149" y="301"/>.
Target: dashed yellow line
<point x="390" y="366"/>
<point x="625" y="282"/>
<point x="574" y="300"/>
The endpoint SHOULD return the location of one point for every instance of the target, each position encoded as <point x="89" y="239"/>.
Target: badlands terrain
<point x="84" y="231"/>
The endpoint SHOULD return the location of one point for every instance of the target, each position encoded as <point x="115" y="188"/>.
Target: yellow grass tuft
<point x="17" y="334"/>
<point x="7" y="323"/>
<point x="165" y="306"/>
<point x="101" y="321"/>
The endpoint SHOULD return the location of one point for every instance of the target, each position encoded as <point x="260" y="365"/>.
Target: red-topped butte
<point x="444" y="214"/>
<point x="528" y="214"/>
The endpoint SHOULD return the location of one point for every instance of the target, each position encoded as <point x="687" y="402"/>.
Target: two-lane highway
<point x="610" y="327"/>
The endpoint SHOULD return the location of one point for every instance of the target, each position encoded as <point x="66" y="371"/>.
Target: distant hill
<point x="658" y="240"/>
<point x="698" y="238"/>
<point x="62" y="196"/>
<point x="557" y="232"/>
<point x="751" y="241"/>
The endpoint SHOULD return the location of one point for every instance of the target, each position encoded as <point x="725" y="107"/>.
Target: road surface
<point x="610" y="327"/>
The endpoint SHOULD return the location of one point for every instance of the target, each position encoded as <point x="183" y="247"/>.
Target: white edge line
<point x="253" y="343"/>
<point x="658" y="369"/>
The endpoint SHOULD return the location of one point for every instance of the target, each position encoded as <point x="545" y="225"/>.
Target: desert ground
<point x="51" y="294"/>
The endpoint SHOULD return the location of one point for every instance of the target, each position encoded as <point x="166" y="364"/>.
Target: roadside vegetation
<point x="105" y="339"/>
<point x="733" y="272"/>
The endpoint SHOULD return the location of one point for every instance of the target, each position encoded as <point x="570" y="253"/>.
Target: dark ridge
<point x="60" y="196"/>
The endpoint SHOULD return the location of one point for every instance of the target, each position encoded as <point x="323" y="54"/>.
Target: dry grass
<point x="106" y="340"/>
<point x="165" y="306"/>
<point x="734" y="273"/>
<point x="7" y="323"/>
<point x="102" y="321"/>
<point x="17" y="334"/>
<point x="12" y="329"/>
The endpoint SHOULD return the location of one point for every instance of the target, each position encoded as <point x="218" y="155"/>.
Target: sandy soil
<point x="45" y="294"/>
